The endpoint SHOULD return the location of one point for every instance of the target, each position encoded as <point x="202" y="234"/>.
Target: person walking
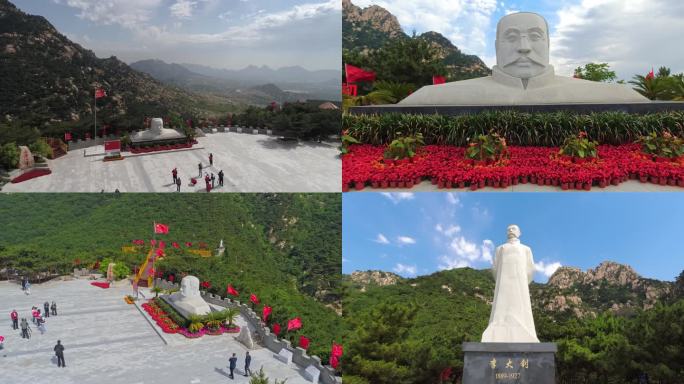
<point x="213" y="178"/>
<point x="28" y="288"/>
<point x="23" y="283"/>
<point x="41" y="325"/>
<point x="248" y="360"/>
<point x="15" y="319"/>
<point x="207" y="181"/>
<point x="211" y="159"/>
<point x="54" y="308"/>
<point x="233" y="364"/>
<point x="220" y="174"/>
<point x="59" y="351"/>
<point x="199" y="166"/>
<point x="25" y="329"/>
<point x="46" y="306"/>
<point x="33" y="315"/>
<point x="178" y="184"/>
<point x="174" y="173"/>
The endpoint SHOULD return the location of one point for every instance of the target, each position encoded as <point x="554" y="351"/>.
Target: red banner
<point x="100" y="93"/>
<point x="276" y="329"/>
<point x="254" y="299"/>
<point x="356" y="74"/>
<point x="112" y="145"/>
<point x="266" y="312"/>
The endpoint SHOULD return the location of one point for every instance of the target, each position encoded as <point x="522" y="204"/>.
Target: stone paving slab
<point x="251" y="163"/>
<point x="109" y="341"/>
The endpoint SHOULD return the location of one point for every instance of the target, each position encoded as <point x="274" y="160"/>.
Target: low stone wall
<point x="73" y="145"/>
<point x="269" y="340"/>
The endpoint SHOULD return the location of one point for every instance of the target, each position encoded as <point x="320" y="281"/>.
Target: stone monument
<point x="188" y="300"/>
<point x="221" y="249"/>
<point x="245" y="337"/>
<point x="510" y="350"/>
<point x="522" y="75"/>
<point x="156" y="133"/>
<point x="25" y="158"/>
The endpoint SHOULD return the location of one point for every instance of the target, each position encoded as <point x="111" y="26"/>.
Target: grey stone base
<point x="577" y="108"/>
<point x="523" y="363"/>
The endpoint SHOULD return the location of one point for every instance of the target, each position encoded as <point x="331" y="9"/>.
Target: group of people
<point x="210" y="181"/>
<point x="36" y="317"/>
<point x="233" y="364"/>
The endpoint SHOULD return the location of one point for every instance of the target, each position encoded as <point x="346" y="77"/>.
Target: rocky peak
<point x="565" y="277"/>
<point x="380" y="278"/>
<point x="379" y="18"/>
<point x="613" y="273"/>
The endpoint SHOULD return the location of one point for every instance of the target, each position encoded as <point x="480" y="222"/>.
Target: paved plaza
<point x="109" y="341"/>
<point x="251" y="163"/>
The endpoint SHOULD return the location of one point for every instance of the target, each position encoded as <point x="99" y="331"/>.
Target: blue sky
<point x="632" y="36"/>
<point x="219" y="33"/>
<point x="420" y="233"/>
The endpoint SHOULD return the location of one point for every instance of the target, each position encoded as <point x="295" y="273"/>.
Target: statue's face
<point x="522" y="45"/>
<point x="190" y="286"/>
<point x="513" y="231"/>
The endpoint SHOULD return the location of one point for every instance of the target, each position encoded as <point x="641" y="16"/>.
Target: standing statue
<point x="511" y="319"/>
<point x="522" y="74"/>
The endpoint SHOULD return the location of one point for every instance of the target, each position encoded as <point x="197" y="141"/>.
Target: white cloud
<point x="381" y="239"/>
<point x="452" y="198"/>
<point x="183" y="9"/>
<point x="397" y="197"/>
<point x="449" y="232"/>
<point x="632" y="36"/>
<point x="546" y="269"/>
<point x="403" y="240"/>
<point x="465" y="253"/>
<point x="406" y="270"/>
<point x="464" y="22"/>
<point x="131" y="14"/>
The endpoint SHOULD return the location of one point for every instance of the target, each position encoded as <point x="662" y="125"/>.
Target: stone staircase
<point x="59" y="148"/>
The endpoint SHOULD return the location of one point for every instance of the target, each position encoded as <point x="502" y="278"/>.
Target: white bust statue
<point x="156" y="132"/>
<point x="511" y="319"/>
<point x="188" y="300"/>
<point x="522" y="74"/>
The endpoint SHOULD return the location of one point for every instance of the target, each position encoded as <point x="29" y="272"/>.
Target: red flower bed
<point x="163" y="147"/>
<point x="447" y="167"/>
<point x="169" y="326"/>
<point x="32" y="174"/>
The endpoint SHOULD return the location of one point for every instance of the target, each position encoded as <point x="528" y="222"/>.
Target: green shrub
<point x="523" y="129"/>
<point x="664" y="145"/>
<point x="404" y="146"/>
<point x="172" y="313"/>
<point x="9" y="156"/>
<point x="487" y="147"/>
<point x="41" y="147"/>
<point x="121" y="271"/>
<point x="579" y="146"/>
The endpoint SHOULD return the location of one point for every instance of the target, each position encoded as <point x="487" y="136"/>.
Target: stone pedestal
<point x="520" y="363"/>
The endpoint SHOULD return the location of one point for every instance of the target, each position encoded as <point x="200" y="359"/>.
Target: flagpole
<point x="95" y="108"/>
<point x="154" y="237"/>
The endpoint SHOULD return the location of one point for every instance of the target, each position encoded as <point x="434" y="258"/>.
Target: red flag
<point x="188" y="244"/>
<point x="100" y="93"/>
<point x="162" y="244"/>
<point x="356" y="74"/>
<point x="349" y="89"/>
<point x="231" y="291"/>
<point x="438" y="80"/>
<point x="334" y="361"/>
<point x="294" y="324"/>
<point x="266" y="312"/>
<point x="153" y="242"/>
<point x="254" y="299"/>
<point x="206" y="284"/>
<point x="67" y="136"/>
<point x="276" y="329"/>
<point x="175" y="245"/>
<point x="303" y="342"/>
<point x="161" y="228"/>
<point x="650" y="75"/>
<point x="336" y="350"/>
<point x="159" y="252"/>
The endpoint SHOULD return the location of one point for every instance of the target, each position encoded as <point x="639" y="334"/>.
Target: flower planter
<point x="393" y="184"/>
<point x="671" y="182"/>
<point x="473" y="186"/>
<point x="383" y="184"/>
<point x="514" y="181"/>
<point x="680" y="182"/>
<point x="400" y="184"/>
<point x="587" y="186"/>
<point x="461" y="184"/>
<point x="564" y="186"/>
<point x="358" y="185"/>
<point x="643" y="179"/>
<point x="434" y="180"/>
<point x="602" y="183"/>
<point x="418" y="180"/>
<point x="662" y="180"/>
<point x="440" y="184"/>
<point x="375" y="184"/>
<point x="481" y="184"/>
<point x="409" y="184"/>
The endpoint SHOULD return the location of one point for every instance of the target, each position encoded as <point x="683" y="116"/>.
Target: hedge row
<point x="523" y="129"/>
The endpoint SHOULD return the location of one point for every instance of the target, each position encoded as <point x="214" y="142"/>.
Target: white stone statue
<point x="522" y="75"/>
<point x="188" y="300"/>
<point x="25" y="158"/>
<point x="156" y="132"/>
<point x="511" y="319"/>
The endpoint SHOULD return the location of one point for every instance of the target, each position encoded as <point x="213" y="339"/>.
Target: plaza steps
<point x="59" y="149"/>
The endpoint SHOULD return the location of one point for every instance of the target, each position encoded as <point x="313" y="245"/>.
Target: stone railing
<point x="268" y="339"/>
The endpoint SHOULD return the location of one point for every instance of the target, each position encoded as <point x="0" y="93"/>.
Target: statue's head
<point x="513" y="231"/>
<point x="522" y="44"/>
<point x="190" y="286"/>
